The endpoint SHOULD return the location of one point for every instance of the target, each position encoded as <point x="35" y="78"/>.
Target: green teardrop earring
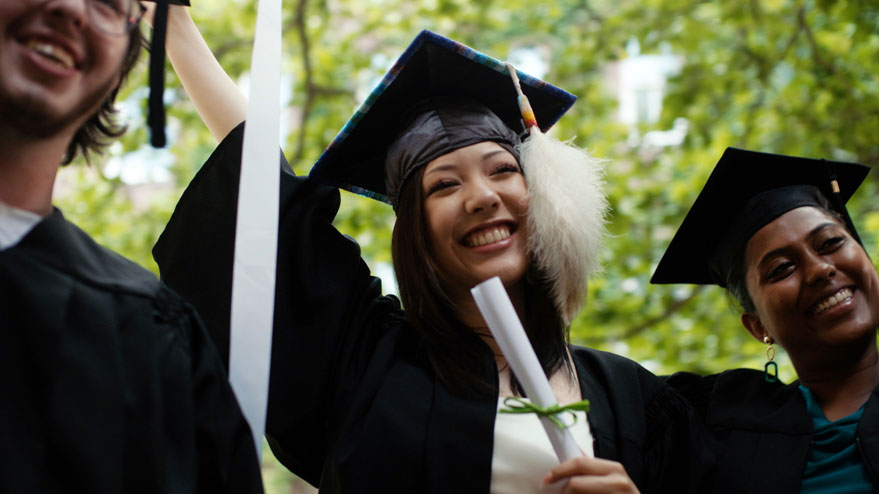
<point x="770" y="370"/>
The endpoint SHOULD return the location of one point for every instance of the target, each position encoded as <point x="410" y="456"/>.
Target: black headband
<point x="443" y="125"/>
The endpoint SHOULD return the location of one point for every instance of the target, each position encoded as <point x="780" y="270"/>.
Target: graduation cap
<point x="156" y="109"/>
<point x="441" y="96"/>
<point x="746" y="191"/>
<point x="453" y="82"/>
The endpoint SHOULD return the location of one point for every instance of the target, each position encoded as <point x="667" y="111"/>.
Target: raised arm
<point x="329" y="312"/>
<point x="217" y="99"/>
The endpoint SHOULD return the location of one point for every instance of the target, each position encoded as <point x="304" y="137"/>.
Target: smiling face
<point x="475" y="204"/>
<point x="813" y="286"/>
<point x="55" y="70"/>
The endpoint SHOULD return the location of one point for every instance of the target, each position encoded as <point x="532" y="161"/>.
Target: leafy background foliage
<point x="786" y="76"/>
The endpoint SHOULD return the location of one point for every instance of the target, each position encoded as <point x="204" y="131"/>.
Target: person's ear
<point x="751" y="321"/>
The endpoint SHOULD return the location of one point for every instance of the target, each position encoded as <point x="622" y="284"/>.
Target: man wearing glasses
<point x="108" y="383"/>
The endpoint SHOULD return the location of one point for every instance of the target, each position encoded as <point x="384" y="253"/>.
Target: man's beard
<point x="33" y="118"/>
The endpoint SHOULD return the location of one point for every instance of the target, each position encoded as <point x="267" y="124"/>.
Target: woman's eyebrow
<point x="818" y="229"/>
<point x="440" y="168"/>
<point x="812" y="234"/>
<point x="771" y="254"/>
<point x="492" y="153"/>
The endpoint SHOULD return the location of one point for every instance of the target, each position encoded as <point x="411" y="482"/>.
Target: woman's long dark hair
<point x="455" y="351"/>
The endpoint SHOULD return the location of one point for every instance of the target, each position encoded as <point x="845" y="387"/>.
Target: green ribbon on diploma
<point x="518" y="405"/>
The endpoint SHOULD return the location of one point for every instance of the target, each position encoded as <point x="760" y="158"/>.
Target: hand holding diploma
<point x="504" y="324"/>
<point x="591" y="475"/>
<point x="582" y="473"/>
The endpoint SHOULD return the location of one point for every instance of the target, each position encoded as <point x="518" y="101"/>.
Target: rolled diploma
<point x="503" y="322"/>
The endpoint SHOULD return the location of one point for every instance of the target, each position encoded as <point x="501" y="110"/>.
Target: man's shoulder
<point x="62" y="246"/>
<point x="109" y="269"/>
<point x="106" y="270"/>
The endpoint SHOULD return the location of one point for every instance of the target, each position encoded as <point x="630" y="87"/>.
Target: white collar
<point x="15" y="223"/>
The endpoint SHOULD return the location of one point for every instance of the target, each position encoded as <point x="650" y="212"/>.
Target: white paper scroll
<point x="256" y="239"/>
<point x="502" y="320"/>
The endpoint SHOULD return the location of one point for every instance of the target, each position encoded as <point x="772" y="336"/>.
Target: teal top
<point x="835" y="465"/>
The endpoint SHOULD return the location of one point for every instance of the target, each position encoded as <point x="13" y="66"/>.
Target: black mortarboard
<point x="156" y="109"/>
<point x="431" y="73"/>
<point x="746" y="191"/>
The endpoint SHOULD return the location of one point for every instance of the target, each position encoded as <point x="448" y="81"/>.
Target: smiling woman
<point x="407" y="400"/>
<point x="475" y="200"/>
<point x="774" y="230"/>
<point x="814" y="289"/>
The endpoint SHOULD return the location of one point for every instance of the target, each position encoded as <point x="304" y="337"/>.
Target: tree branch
<point x="312" y="90"/>
<point x="299" y="23"/>
<point x="816" y="50"/>
<point x="640" y="328"/>
<point x="590" y="10"/>
<point x="222" y="49"/>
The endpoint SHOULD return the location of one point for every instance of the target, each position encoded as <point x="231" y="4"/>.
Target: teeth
<point x="488" y="236"/>
<point x="833" y="300"/>
<point x="52" y="52"/>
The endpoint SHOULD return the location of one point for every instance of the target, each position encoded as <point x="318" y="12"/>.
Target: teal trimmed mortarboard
<point x="455" y="84"/>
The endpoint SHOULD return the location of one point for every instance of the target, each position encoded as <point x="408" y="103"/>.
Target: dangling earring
<point x="770" y="370"/>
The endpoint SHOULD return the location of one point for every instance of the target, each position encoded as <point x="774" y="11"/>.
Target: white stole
<point x="256" y="237"/>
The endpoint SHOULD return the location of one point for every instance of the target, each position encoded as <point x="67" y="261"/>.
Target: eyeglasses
<point x="112" y="17"/>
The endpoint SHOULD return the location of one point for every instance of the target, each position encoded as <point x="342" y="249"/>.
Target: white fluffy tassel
<point x="566" y="220"/>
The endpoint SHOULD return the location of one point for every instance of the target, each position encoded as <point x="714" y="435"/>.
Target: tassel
<point x="838" y="203"/>
<point x="566" y="217"/>
<point x="156" y="110"/>
<point x="567" y="209"/>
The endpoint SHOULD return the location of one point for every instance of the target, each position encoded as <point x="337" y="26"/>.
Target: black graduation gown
<point x="109" y="382"/>
<point x="761" y="432"/>
<point x="353" y="404"/>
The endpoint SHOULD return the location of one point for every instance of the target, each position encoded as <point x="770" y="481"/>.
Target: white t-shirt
<point x="523" y="454"/>
<point x="15" y="224"/>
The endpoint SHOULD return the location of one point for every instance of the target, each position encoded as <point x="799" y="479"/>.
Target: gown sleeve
<point x="329" y="311"/>
<point x="640" y="421"/>
<point x="696" y="389"/>
<point x="195" y="386"/>
<point x="675" y="451"/>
